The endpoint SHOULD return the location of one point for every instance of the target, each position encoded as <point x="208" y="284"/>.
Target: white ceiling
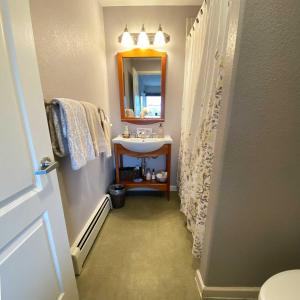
<point x="149" y="2"/>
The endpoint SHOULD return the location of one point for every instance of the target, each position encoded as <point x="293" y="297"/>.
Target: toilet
<point x="282" y="286"/>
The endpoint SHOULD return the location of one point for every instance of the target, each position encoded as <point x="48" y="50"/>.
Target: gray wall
<point x="173" y="20"/>
<point x="69" y="37"/>
<point x="253" y="225"/>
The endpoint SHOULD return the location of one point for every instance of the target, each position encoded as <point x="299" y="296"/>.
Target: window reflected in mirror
<point x="142" y="87"/>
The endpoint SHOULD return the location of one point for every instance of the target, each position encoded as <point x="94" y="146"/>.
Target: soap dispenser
<point x="160" y="131"/>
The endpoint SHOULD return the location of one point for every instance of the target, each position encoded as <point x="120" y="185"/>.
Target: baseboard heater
<point x="87" y="236"/>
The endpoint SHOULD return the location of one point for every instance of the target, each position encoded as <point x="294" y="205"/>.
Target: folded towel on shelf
<point x="106" y="128"/>
<point x="95" y="127"/>
<point x="58" y="141"/>
<point x="74" y="127"/>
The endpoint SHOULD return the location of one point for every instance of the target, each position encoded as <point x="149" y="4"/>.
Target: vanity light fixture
<point x="126" y="39"/>
<point x="143" y="40"/>
<point x="159" y="39"/>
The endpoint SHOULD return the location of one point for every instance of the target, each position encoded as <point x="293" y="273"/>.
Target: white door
<point x="35" y="261"/>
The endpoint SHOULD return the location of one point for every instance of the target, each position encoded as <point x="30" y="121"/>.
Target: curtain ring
<point x="201" y="11"/>
<point x="197" y="20"/>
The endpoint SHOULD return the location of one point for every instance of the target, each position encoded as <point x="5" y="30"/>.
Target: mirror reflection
<point x="142" y="87"/>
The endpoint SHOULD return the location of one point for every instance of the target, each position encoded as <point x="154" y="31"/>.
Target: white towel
<point x="75" y="129"/>
<point x="58" y="141"/>
<point x="106" y="128"/>
<point x="95" y="127"/>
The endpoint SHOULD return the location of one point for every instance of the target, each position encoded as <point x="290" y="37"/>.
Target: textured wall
<point x="253" y="224"/>
<point x="69" y="37"/>
<point x="173" y="20"/>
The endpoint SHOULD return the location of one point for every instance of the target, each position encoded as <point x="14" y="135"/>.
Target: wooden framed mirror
<point x="142" y="80"/>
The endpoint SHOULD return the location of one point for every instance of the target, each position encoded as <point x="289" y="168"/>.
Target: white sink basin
<point x="142" y="145"/>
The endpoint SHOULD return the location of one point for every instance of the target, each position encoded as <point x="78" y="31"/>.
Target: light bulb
<point x="126" y="40"/>
<point x="143" y="40"/>
<point x="159" y="39"/>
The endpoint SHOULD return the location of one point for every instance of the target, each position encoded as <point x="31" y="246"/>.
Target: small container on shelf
<point x="153" y="175"/>
<point x="137" y="177"/>
<point x="148" y="175"/>
<point x="162" y="177"/>
<point x="127" y="173"/>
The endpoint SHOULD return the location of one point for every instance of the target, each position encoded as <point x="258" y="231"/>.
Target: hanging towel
<point x="95" y="127"/>
<point x="106" y="128"/>
<point x="58" y="141"/>
<point x="75" y="129"/>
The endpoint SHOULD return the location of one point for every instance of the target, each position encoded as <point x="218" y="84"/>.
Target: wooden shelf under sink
<point x="146" y="183"/>
<point x="164" y="150"/>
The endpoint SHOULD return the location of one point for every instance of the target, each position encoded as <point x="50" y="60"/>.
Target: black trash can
<point x="117" y="194"/>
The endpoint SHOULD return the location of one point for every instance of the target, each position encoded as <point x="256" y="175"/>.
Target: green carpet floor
<point x="143" y="252"/>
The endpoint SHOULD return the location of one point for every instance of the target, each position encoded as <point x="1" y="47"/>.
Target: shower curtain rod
<point x="197" y="18"/>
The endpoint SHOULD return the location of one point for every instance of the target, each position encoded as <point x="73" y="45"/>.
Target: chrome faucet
<point x="144" y="132"/>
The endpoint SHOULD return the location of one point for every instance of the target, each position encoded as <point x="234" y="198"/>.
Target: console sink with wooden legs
<point x="165" y="150"/>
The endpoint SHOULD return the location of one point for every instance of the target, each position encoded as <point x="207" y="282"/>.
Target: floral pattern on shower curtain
<point x="202" y="98"/>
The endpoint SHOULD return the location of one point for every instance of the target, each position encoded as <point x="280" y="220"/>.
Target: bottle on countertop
<point x="160" y="131"/>
<point x="153" y="175"/>
<point x="148" y="175"/>
<point x="126" y="133"/>
<point x="137" y="172"/>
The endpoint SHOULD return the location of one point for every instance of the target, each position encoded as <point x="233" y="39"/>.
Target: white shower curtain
<point x="202" y="95"/>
